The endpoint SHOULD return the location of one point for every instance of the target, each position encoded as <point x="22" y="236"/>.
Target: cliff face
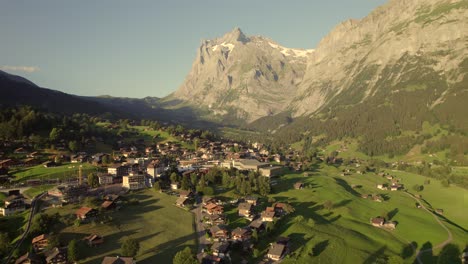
<point x="252" y="77"/>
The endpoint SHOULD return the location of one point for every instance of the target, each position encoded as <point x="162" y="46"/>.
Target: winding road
<point x="202" y="241"/>
<point x="449" y="239"/>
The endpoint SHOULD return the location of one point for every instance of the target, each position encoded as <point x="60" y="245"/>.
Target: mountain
<point x="17" y="90"/>
<point x="240" y="77"/>
<point x="405" y="54"/>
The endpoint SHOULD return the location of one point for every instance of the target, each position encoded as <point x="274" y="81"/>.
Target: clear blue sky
<point x="146" y="48"/>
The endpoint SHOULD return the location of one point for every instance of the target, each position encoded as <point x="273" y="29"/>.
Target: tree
<point x="93" y="180"/>
<point x="54" y="241"/>
<point x="73" y="251"/>
<point x="394" y="260"/>
<point x="105" y="159"/>
<point x="130" y="247"/>
<point x="184" y="256"/>
<point x="185" y="185"/>
<point x="450" y="254"/>
<point x="4" y="244"/>
<point x="208" y="190"/>
<point x="174" y="178"/>
<point x="157" y="186"/>
<point x="73" y="145"/>
<point x="54" y="134"/>
<point x="41" y="223"/>
<point x="255" y="235"/>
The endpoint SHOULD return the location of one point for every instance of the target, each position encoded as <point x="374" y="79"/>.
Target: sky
<point x="139" y="48"/>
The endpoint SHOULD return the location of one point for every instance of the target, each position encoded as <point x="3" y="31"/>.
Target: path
<point x="199" y="228"/>
<point x="31" y="215"/>
<point x="449" y="239"/>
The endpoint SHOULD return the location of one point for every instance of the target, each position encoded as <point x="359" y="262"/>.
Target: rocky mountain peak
<point x="235" y="35"/>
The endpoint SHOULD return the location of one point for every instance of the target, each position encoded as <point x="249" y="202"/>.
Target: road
<point x="25" y="234"/>
<point x="449" y="238"/>
<point x="202" y="241"/>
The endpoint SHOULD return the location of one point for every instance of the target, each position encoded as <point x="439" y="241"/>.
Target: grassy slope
<point x="33" y="191"/>
<point x="344" y="234"/>
<point x="40" y="172"/>
<point x="163" y="136"/>
<point x="161" y="228"/>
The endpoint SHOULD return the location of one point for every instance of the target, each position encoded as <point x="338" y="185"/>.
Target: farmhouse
<point x="182" y="201"/>
<point x="94" y="240"/>
<point x="216" y="219"/>
<point x="378" y="221"/>
<point x="13" y="203"/>
<point x="276" y="252"/>
<point x="298" y="185"/>
<point x="268" y="215"/>
<point x="39" y="243"/>
<point x="251" y="200"/>
<point x="241" y="234"/>
<point x="220" y="249"/>
<point x="86" y="213"/>
<point x="244" y="209"/>
<point x="219" y="232"/>
<point x="382" y="186"/>
<point x="56" y="256"/>
<point x="214" y="209"/>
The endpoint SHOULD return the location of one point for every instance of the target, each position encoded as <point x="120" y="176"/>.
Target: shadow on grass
<point x="320" y="247"/>
<point x="342" y="203"/>
<point x="408" y="250"/>
<point x="427" y="256"/>
<point x="166" y="251"/>
<point x="392" y="213"/>
<point x="346" y="186"/>
<point x="374" y="257"/>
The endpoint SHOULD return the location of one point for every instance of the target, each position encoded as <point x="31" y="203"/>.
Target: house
<point x="155" y="169"/>
<point x="117" y="170"/>
<point x="257" y="224"/>
<point x="216" y="219"/>
<point x="390" y="225"/>
<point x="118" y="260"/>
<point x="377" y="198"/>
<point x="382" y="186"/>
<point x="86" y="213"/>
<point x="219" y="232"/>
<point x="281" y="208"/>
<point x="39" y="243"/>
<point x="185" y="194"/>
<point x="13" y="203"/>
<point x="106" y="179"/>
<point x="56" y="256"/>
<point x="220" y="249"/>
<point x="182" y="201"/>
<point x="378" y="221"/>
<point x="248" y="164"/>
<point x="241" y="234"/>
<point x="395" y="187"/>
<point x="244" y="209"/>
<point x="29" y="258"/>
<point x="214" y="209"/>
<point x="94" y="240"/>
<point x="112" y="197"/>
<point x="465" y="256"/>
<point x="268" y="215"/>
<point x="276" y="252"/>
<point x="298" y="185"/>
<point x="251" y="200"/>
<point x="272" y="171"/>
<point x="134" y="181"/>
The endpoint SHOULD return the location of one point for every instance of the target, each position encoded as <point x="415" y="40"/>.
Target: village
<point x="197" y="177"/>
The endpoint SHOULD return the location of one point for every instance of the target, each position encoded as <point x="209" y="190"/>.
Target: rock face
<point x="252" y="77"/>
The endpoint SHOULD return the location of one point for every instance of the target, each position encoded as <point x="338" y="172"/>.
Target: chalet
<point x="13" y="204"/>
<point x="185" y="194"/>
<point x="382" y="186"/>
<point x="118" y="260"/>
<point x="112" y="197"/>
<point x="79" y="158"/>
<point x="30" y="162"/>
<point x="219" y="232"/>
<point x="216" y="219"/>
<point x="208" y="259"/>
<point x="251" y="200"/>
<point x="271" y="171"/>
<point x="41" y="242"/>
<point x="395" y="187"/>
<point x="94" y="240"/>
<point x="206" y="200"/>
<point x="465" y="256"/>
<point x="182" y="201"/>
<point x="281" y="208"/>
<point x="86" y="213"/>
<point x="257" y="224"/>
<point x="56" y="256"/>
<point x="377" y="198"/>
<point x="276" y="252"/>
<point x="50" y="164"/>
<point x="268" y="215"/>
<point x="241" y="234"/>
<point x="134" y="181"/>
<point x="244" y="209"/>
<point x="29" y="258"/>
<point x="214" y="209"/>
<point x="220" y="249"/>
<point x="155" y="169"/>
<point x="378" y="221"/>
<point x="6" y="163"/>
<point x="298" y="185"/>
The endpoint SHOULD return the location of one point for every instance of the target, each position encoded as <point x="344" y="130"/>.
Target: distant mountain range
<point x="405" y="48"/>
<point x="403" y="64"/>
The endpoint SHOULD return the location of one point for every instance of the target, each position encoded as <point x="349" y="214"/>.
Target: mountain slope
<point x="242" y="77"/>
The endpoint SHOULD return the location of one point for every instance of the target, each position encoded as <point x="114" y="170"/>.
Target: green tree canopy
<point x="130" y="247"/>
<point x="184" y="256"/>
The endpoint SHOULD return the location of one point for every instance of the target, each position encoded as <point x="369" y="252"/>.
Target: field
<point x="162" y="136"/>
<point x="161" y="228"/>
<point x="343" y="234"/>
<point x="39" y="172"/>
<point x="33" y="191"/>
